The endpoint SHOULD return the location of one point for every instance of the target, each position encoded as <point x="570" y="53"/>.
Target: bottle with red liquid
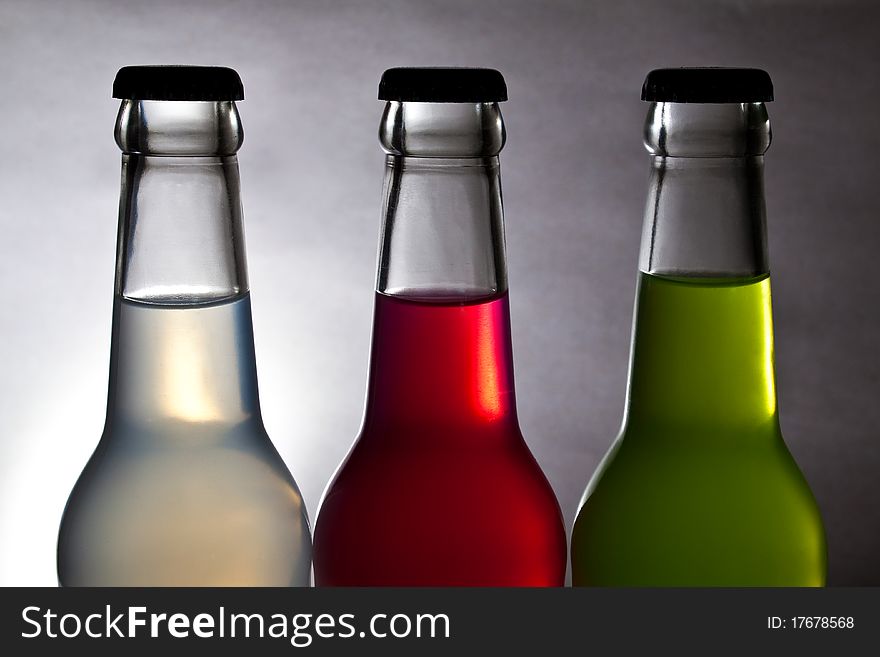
<point x="440" y="488"/>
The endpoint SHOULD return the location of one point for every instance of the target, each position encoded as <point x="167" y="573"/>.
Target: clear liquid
<point x="185" y="487"/>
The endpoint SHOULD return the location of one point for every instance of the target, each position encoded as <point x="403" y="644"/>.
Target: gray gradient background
<point x="574" y="175"/>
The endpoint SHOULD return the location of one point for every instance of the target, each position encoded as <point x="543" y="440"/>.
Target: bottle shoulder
<point x="691" y="514"/>
<point x="756" y="448"/>
<point x="468" y="515"/>
<point x="173" y="454"/>
<point x="382" y="467"/>
<point x="698" y="474"/>
<point x="156" y="510"/>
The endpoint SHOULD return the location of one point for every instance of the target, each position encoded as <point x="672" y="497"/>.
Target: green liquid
<point x="699" y="489"/>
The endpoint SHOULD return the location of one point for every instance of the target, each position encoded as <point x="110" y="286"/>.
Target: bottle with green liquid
<point x="699" y="488"/>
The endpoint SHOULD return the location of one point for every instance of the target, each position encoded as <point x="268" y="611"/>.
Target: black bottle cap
<point x="178" y="83"/>
<point x="443" y="85"/>
<point x="708" y="85"/>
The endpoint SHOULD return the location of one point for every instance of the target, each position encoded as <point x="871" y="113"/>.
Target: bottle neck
<point x="182" y="364"/>
<point x="437" y="368"/>
<point x="443" y="231"/>
<point x="441" y="338"/>
<point x="180" y="239"/>
<point x="702" y="354"/>
<point x="705" y="213"/>
<point x="182" y="337"/>
<point x="443" y="223"/>
<point x="702" y="358"/>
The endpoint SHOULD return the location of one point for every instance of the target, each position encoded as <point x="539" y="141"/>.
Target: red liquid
<point x="440" y="488"/>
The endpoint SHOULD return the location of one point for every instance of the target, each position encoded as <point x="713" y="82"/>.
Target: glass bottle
<point x="440" y="488"/>
<point x="699" y="488"/>
<point x="185" y="488"/>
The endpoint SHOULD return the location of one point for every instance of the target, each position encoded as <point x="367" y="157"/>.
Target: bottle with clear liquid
<point x="699" y="488"/>
<point x="440" y="488"/>
<point x="185" y="488"/>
